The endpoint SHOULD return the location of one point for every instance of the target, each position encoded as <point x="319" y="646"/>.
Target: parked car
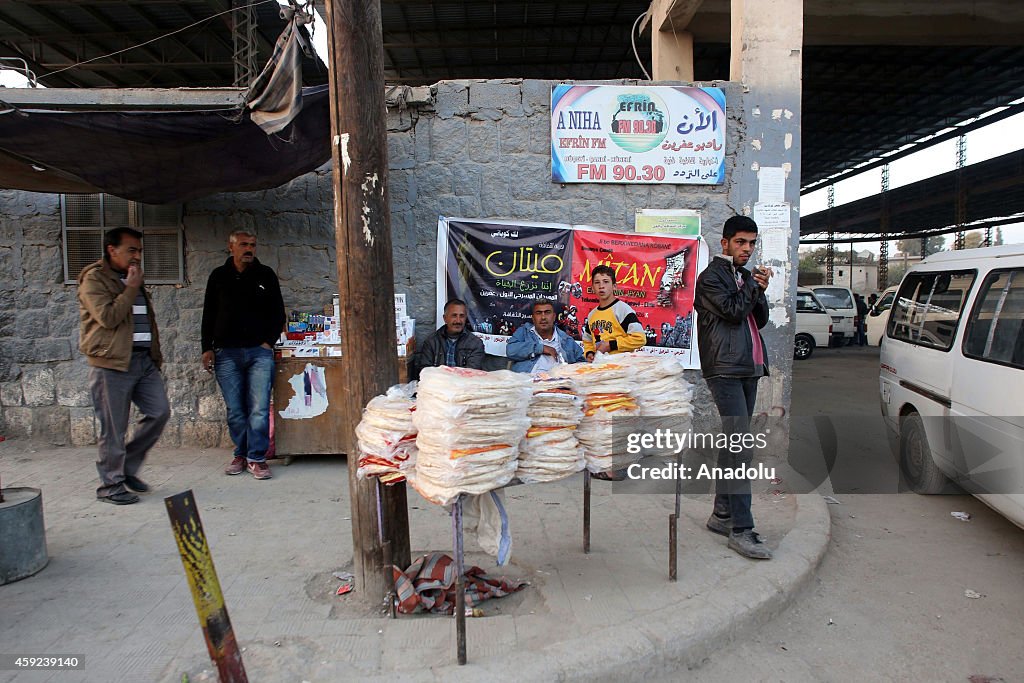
<point x="842" y="307"/>
<point x="951" y="382"/>
<point x="813" y="324"/>
<point x="878" y="316"/>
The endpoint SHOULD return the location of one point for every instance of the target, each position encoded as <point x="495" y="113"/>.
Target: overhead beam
<point x="670" y="15"/>
<point x="101" y="18"/>
<point x="70" y="56"/>
<point x="178" y="67"/>
<point x="52" y="17"/>
<point x="148" y="17"/>
<point x="887" y="23"/>
<point x="97" y="99"/>
<point x="1012" y="110"/>
<point x="671" y="43"/>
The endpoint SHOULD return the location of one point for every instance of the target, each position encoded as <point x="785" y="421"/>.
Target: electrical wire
<point x="153" y="40"/>
<point x="632" y="39"/>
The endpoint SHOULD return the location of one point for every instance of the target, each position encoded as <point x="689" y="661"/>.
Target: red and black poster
<point x="500" y="267"/>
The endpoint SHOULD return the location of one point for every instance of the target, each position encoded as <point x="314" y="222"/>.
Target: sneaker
<point x="748" y="544"/>
<point x="719" y="525"/>
<point x="237" y="466"/>
<point x="259" y="470"/>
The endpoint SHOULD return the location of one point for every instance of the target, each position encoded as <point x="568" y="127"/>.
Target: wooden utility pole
<point x="362" y="228"/>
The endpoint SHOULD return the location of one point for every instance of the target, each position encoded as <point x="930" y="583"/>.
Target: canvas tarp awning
<point x="159" y="157"/>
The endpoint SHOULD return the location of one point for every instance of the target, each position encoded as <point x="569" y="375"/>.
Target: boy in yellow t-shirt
<point x="612" y="327"/>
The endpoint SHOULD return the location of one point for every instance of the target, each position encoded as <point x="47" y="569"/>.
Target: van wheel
<point x="916" y="463"/>
<point x="803" y="347"/>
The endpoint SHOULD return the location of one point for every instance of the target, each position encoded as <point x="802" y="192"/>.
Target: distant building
<point x="862" y="278"/>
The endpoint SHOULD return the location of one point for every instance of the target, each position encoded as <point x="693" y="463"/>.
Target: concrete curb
<point x="674" y="638"/>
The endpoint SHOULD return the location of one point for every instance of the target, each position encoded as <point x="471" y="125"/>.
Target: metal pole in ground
<point x="586" y="511"/>
<point x="202" y="579"/>
<point x="673" y="523"/>
<point x="460" y="581"/>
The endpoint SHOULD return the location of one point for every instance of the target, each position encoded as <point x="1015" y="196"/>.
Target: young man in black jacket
<point x="452" y="344"/>
<point x="243" y="315"/>
<point x="731" y="308"/>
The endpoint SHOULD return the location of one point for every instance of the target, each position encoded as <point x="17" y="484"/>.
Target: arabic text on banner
<point x="637" y="134"/>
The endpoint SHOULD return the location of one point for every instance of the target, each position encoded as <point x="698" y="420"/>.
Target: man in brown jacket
<point x="119" y="338"/>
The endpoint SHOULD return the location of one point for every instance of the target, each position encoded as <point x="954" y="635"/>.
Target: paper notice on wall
<point x="771" y="184"/>
<point x="776" y="291"/>
<point x="668" y="221"/>
<point x="774" y="244"/>
<point x="772" y="215"/>
<point x="310" y="399"/>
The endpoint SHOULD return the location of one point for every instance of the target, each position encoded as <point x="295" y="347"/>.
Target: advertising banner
<point x="500" y="267"/>
<point x="637" y="134"/>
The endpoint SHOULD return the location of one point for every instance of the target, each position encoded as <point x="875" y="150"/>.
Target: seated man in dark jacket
<point x="731" y="308"/>
<point x="452" y="344"/>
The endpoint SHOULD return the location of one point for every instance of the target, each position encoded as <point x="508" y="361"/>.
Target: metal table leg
<point x="586" y="511"/>
<point x="673" y="524"/>
<point x="460" y="581"/>
<point x="390" y="598"/>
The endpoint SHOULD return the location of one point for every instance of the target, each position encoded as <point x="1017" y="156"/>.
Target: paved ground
<point x="888" y="602"/>
<point x="115" y="590"/>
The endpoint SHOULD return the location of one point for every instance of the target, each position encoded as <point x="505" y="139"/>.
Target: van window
<point x="834" y="297"/>
<point x="995" y="332"/>
<point x="806" y="303"/>
<point x="885" y="303"/>
<point x="928" y="307"/>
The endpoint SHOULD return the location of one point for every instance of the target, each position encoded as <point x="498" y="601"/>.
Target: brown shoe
<point x="237" y="466"/>
<point x="260" y="470"/>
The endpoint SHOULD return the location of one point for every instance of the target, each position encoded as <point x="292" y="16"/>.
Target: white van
<point x="878" y="316"/>
<point x="813" y="324"/>
<point x="841" y="306"/>
<point x="952" y="375"/>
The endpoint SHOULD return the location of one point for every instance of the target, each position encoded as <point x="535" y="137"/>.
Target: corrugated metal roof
<point x="858" y="101"/>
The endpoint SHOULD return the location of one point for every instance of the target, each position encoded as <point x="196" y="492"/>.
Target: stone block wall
<point x="473" y="149"/>
<point x="44" y="391"/>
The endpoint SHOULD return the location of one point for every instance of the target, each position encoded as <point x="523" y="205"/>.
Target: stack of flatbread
<point x="469" y="423"/>
<point x="660" y="388"/>
<point x="550" y="450"/>
<point x="607" y="391"/>
<point x="387" y="436"/>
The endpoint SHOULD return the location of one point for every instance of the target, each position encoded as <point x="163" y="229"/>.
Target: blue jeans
<point x="734" y="397"/>
<point x="245" y="376"/>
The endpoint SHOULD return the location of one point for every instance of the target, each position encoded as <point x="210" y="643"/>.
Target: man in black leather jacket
<point x="452" y="344"/>
<point x="731" y="308"/>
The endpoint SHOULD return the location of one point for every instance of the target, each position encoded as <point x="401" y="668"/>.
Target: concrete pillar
<point x="672" y="56"/>
<point x="767" y="49"/>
